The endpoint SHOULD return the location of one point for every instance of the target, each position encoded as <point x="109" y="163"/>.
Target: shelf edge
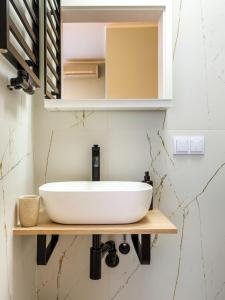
<point x="107" y="105"/>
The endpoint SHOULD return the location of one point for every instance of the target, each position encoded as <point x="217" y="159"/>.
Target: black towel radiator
<point x="20" y="26"/>
<point x="19" y="41"/>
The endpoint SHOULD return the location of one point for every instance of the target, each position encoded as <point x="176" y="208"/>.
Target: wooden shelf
<point x="155" y="222"/>
<point x="82" y="68"/>
<point x="98" y="61"/>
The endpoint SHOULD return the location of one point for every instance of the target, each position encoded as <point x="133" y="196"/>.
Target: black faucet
<point x="99" y="249"/>
<point x="95" y="163"/>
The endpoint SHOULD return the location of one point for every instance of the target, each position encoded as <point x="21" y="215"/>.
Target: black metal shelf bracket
<point x="143" y="248"/>
<point x="44" y="252"/>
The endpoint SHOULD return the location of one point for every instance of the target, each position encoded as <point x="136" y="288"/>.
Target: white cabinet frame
<point x="164" y="55"/>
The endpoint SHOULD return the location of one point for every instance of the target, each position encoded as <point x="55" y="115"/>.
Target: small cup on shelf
<point x="29" y="210"/>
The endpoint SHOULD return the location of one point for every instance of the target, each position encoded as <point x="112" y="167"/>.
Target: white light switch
<point x="189" y="144"/>
<point x="181" y="144"/>
<point x="197" y="144"/>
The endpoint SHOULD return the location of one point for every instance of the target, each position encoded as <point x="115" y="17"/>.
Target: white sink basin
<point x="96" y="202"/>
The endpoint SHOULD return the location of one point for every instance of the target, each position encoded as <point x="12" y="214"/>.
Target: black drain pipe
<point x="96" y="258"/>
<point x="97" y="252"/>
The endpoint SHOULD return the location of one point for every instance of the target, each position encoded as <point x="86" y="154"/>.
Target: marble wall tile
<point x="188" y="189"/>
<point x="17" y="276"/>
<point x="198" y="65"/>
<point x="183" y="185"/>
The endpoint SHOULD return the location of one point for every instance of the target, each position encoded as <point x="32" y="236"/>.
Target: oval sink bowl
<point x="96" y="202"/>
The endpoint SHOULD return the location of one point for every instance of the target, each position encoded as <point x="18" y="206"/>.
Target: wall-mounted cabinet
<point x="134" y="44"/>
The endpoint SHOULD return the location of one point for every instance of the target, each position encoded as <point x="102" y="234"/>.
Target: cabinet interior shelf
<point x="155" y="222"/>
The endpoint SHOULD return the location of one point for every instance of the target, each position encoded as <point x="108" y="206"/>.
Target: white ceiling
<point x="83" y="41"/>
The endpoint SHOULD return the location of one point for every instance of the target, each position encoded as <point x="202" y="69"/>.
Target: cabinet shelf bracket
<point x="143" y="248"/>
<point x="44" y="252"/>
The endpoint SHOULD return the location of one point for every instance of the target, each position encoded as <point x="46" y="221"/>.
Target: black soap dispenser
<point x="147" y="179"/>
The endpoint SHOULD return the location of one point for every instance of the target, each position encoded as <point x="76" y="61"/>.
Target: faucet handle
<point x="95" y="163"/>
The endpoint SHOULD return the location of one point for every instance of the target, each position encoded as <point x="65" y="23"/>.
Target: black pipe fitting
<point x="97" y="252"/>
<point x="124" y="248"/>
<point x="112" y="259"/>
<point x="22" y="81"/>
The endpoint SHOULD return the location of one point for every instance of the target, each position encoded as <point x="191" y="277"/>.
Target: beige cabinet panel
<point x="132" y="61"/>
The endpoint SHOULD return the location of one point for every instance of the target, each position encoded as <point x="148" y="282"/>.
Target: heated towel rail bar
<point x="52" y="49"/>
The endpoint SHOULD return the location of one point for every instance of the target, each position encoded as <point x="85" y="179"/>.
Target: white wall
<point x="83" y="41"/>
<point x="17" y="254"/>
<point x="190" y="190"/>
